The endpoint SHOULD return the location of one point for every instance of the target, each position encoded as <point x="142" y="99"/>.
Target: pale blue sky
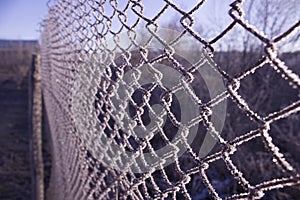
<point x="19" y="19"/>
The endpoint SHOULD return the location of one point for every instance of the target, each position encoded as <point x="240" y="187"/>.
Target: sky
<point x="19" y="19"/>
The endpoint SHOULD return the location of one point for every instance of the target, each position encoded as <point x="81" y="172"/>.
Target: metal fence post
<point x="35" y="105"/>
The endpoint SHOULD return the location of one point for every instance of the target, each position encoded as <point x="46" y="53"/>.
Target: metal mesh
<point x="84" y="63"/>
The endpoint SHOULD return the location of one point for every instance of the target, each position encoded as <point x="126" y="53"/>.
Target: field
<point x="271" y="93"/>
<point x="15" y="175"/>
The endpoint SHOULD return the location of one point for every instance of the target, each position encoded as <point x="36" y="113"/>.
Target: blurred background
<point x="21" y="23"/>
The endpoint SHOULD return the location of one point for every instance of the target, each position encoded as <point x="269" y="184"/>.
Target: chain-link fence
<point x="160" y="100"/>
